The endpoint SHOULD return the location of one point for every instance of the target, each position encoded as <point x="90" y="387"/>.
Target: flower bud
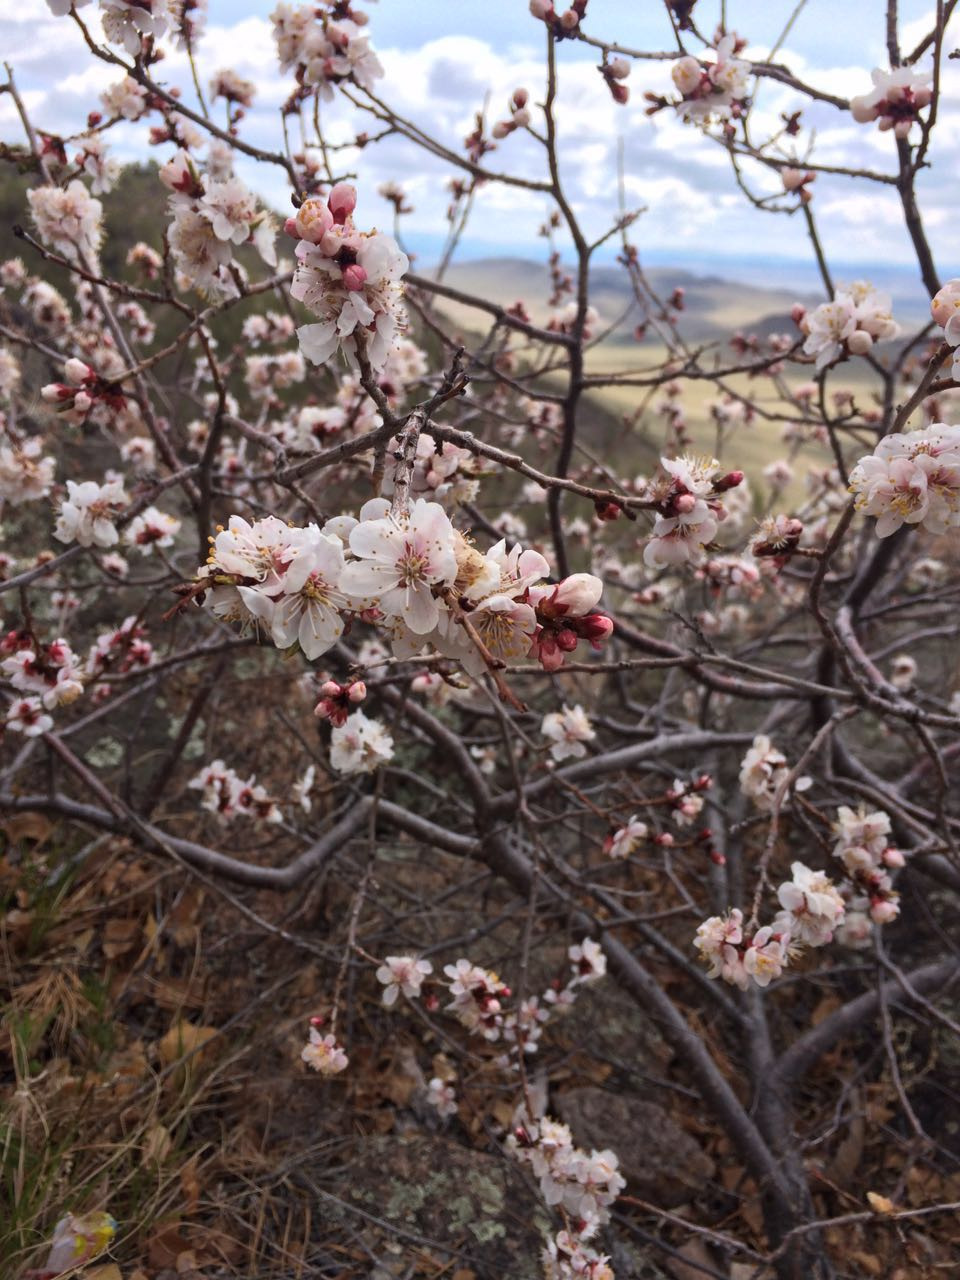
<point x="567" y="640"/>
<point x="859" y="342"/>
<point x="290" y="227"/>
<point x="619" y="92"/>
<point x="684" y="503"/>
<point x="608" y="511"/>
<point x="542" y="9"/>
<point x="354" y="276"/>
<point x="342" y="201"/>
<point x="595" y="627"/>
<point x="893" y="858"/>
<point x="619" y="68"/>
<point x="797" y="312"/>
<point x="54" y="391"/>
<point x="570" y="20"/>
<point x="76" y="371"/>
<point x="882" y="911"/>
<point x="502" y="129"/>
<point x="520" y="98"/>
<point x="330" y="689"/>
<point x="357" y="691"/>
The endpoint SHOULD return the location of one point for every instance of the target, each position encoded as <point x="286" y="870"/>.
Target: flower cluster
<point x="228" y="796"/>
<point x="863" y="846"/>
<point x="896" y="100"/>
<point x="763" y="772"/>
<point x="338" y="700"/>
<point x="210" y="216"/>
<point x="519" y="115"/>
<point x="26" y="473"/>
<point x="68" y="219"/>
<point x="714" y="90"/>
<point x="687" y="501"/>
<point x="84" y="388"/>
<point x="51" y="672"/>
<point x="324" y="44"/>
<point x="811" y="907"/>
<point x="858" y="317"/>
<point x="349" y="278"/>
<point x="582" y="1184"/>
<point x="911" y="478"/>
<point x="411" y="571"/>
<point x="734" y="957"/>
<point x="945" y="309"/>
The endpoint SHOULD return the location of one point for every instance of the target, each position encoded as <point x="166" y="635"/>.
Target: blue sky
<point x="442" y="56"/>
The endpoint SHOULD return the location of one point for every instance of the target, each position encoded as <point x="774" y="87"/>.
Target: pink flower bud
<point x="577" y="594"/>
<point x="520" y="98"/>
<point x="330" y="689"/>
<point x="357" y="691"/>
<point x="608" y="511"/>
<point x="797" y="312"/>
<point x="290" y="227"/>
<point x="542" y="9"/>
<point x="859" y="342"/>
<point x="342" y="201"/>
<point x="567" y="640"/>
<point x="354" y="276"/>
<point x="894" y="858"/>
<point x="55" y="391"/>
<point x="76" y="371"/>
<point x="685" y="503"/>
<point x="502" y="129"/>
<point x="570" y="20"/>
<point x="882" y="911"/>
<point x="595" y="627"/>
<point x="82" y="402"/>
<point x="729" y="481"/>
<point x="619" y="68"/>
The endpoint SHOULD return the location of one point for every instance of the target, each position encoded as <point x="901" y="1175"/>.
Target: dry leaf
<point x="157" y="1143"/>
<point x="120" y="936"/>
<point x="694" y="1251"/>
<point x="27" y="826"/>
<point x="109" y="1272"/>
<point x="880" y="1204"/>
<point x="184" y="1038"/>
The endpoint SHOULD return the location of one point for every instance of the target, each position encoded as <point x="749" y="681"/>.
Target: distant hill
<point x="714" y="308"/>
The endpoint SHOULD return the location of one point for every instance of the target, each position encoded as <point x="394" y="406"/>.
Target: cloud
<point x="439" y="83"/>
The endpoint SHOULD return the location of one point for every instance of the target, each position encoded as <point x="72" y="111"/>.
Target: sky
<point x="444" y="58"/>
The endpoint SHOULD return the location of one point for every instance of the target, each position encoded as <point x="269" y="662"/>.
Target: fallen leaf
<point x="157" y="1143"/>
<point x="27" y="826"/>
<point x="880" y="1204"/>
<point x="184" y="1038"/>
<point x="120" y="936"/>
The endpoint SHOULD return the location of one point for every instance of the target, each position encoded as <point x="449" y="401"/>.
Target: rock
<point x="478" y="1204"/>
<point x="659" y="1160"/>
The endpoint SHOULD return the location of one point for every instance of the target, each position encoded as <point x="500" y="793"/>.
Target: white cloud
<point x="684" y="180"/>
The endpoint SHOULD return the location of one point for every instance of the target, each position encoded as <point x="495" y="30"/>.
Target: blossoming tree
<point x="696" y="724"/>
